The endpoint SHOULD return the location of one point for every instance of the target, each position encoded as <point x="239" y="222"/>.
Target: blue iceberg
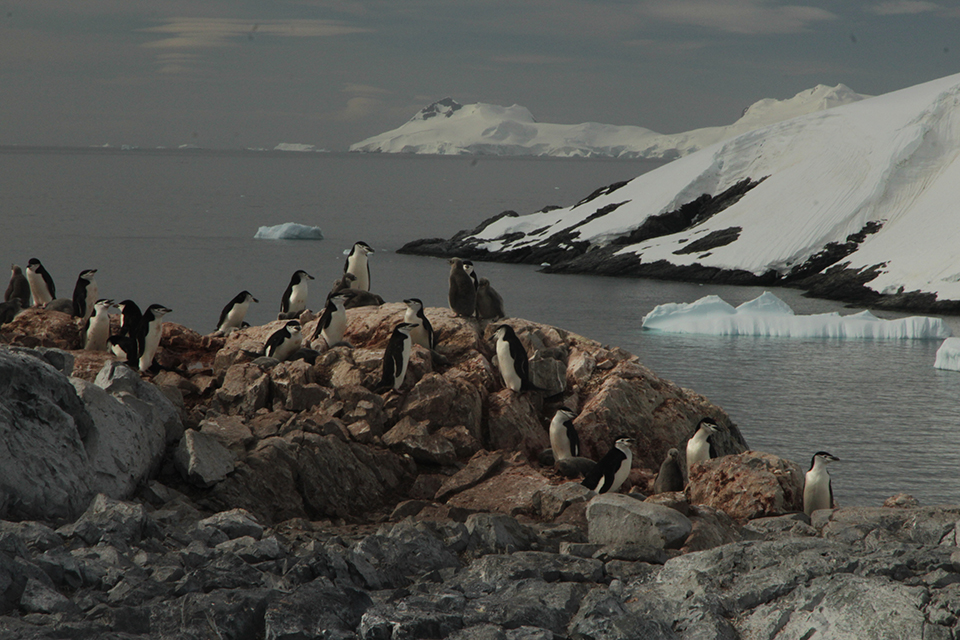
<point x="289" y="231"/>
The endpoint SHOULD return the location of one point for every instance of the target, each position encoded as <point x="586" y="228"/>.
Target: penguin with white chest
<point x="817" y="490"/>
<point x="358" y="265"/>
<point x="41" y="283"/>
<point x="148" y="334"/>
<point x="699" y="447"/>
<point x="333" y="321"/>
<point x="98" y="327"/>
<point x="422" y="332"/>
<point x="613" y="468"/>
<point x="234" y="312"/>
<point x="85" y="294"/>
<point x="125" y="348"/>
<point x="284" y="342"/>
<point x="294" y="300"/>
<point x="512" y="360"/>
<point x="462" y="293"/>
<point x="564" y="439"/>
<point x="396" y="357"/>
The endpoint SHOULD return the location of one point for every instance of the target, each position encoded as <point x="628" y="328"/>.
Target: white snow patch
<point x="293" y="146"/>
<point x="948" y="355"/>
<point x="768" y="315"/>
<point x="289" y="231"/>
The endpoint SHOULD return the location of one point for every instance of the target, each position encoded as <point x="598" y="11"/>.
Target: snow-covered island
<point x="449" y="128"/>
<point x="856" y="203"/>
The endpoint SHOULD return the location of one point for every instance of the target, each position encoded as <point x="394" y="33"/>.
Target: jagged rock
<point x="111" y="521"/>
<point x="512" y="424"/>
<point x="921" y="525"/>
<point x="496" y="533"/>
<point x="615" y="519"/>
<point x="124" y="384"/>
<point x="361" y="404"/>
<point x="480" y="467"/>
<point x="511" y="492"/>
<point x="414" y="439"/>
<point x="748" y="485"/>
<point x="230" y="431"/>
<point x="444" y="402"/>
<point x="711" y="528"/>
<point x="245" y="388"/>
<point x="234" y="523"/>
<point x="38" y="327"/>
<point x="550" y="501"/>
<point x="319" y="607"/>
<point x="202" y="460"/>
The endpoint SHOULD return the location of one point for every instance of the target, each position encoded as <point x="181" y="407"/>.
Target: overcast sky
<point x="243" y="73"/>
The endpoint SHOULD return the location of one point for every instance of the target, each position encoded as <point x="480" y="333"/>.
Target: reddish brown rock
<point x="42" y="328"/>
<point x="748" y="485"/>
<point x="480" y="467"/>
<point x="510" y="492"/>
<point x="513" y="424"/>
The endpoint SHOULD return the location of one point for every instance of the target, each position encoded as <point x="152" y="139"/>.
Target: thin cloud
<point x="903" y="7"/>
<point x="196" y="33"/>
<point x="747" y="17"/>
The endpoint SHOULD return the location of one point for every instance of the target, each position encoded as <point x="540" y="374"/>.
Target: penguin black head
<point x="246" y="296"/>
<point x="158" y="310"/>
<point x="87" y="274"/>
<point x="414" y="303"/>
<point x="34" y="263"/>
<point x="299" y="276"/>
<point x="362" y="247"/>
<point x="624" y="443"/>
<point x="567" y="413"/>
<point x="824" y="457"/>
<point x="710" y="425"/>
<point x="405" y="327"/>
<point x="504" y="331"/>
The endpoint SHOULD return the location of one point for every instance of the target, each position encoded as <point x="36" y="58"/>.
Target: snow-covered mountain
<point x="446" y="127"/>
<point x="859" y="202"/>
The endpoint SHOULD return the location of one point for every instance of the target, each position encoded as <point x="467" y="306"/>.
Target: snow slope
<point x="890" y="161"/>
<point x="446" y="127"/>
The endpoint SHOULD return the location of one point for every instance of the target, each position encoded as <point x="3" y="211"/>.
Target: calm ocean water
<point x="177" y="228"/>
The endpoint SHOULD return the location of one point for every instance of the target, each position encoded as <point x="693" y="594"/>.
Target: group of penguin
<point x="468" y="296"/>
<point x="135" y="343"/>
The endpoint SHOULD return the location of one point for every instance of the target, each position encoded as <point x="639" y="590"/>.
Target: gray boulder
<point x="618" y="519"/>
<point x="158" y="412"/>
<point x="202" y="460"/>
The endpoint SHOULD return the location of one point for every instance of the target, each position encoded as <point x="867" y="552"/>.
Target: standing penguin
<point x="125" y="348"/>
<point x="130" y="316"/>
<point x="396" y="357"/>
<point x="358" y="265"/>
<point x="462" y="294"/>
<point x="148" y="334"/>
<point x="512" y="360"/>
<point x="236" y="310"/>
<point x="284" y="342"/>
<point x="422" y="332"/>
<point x="85" y="294"/>
<point x="18" y="287"/>
<point x="699" y="447"/>
<point x="10" y="309"/>
<point x="489" y="302"/>
<point x="41" y="284"/>
<point x="98" y="327"/>
<point x="472" y="272"/>
<point x="563" y="435"/>
<point x="612" y="469"/>
<point x="333" y="321"/>
<point x="294" y="300"/>
<point x="670" y="477"/>
<point x="817" y="491"/>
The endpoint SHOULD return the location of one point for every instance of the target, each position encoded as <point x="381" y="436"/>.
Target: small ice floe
<point x="289" y="231"/>
<point x="948" y="355"/>
<point x="768" y="315"/>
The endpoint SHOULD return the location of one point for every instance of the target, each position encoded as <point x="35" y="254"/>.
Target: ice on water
<point x="768" y="315"/>
<point x="289" y="231"/>
<point x="948" y="355"/>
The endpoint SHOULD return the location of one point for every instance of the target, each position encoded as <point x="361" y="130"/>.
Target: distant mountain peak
<point x="445" y="107"/>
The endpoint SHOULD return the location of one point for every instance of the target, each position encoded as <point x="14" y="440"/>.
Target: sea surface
<point x="177" y="227"/>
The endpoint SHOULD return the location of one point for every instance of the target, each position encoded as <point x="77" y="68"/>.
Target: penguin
<point x="472" y="272"/>
<point x="396" y="357"/>
<point x="422" y="332"/>
<point x="294" y="300"/>
<point x="333" y="321"/>
<point x="341" y="283"/>
<point x="148" y="334"/>
<point x="489" y="302"/>
<point x="563" y="435"/>
<point x="98" y="327"/>
<point x="512" y="360"/>
<point x="284" y="342"/>
<point x="353" y="298"/>
<point x="462" y="294"/>
<point x="18" y="287"/>
<point x="85" y="294"/>
<point x="10" y="309"/>
<point x="234" y="312"/>
<point x="817" y="491"/>
<point x="358" y="265"/>
<point x="699" y="447"/>
<point x="125" y="348"/>
<point x="130" y="316"/>
<point x="612" y="469"/>
<point x="670" y="477"/>
<point x="41" y="284"/>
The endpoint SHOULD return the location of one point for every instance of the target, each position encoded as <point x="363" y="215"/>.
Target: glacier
<point x="289" y="231"/>
<point x="769" y="316"/>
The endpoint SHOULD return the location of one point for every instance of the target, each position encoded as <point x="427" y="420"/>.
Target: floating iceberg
<point x="289" y="231"/>
<point x="948" y="355"/>
<point x="768" y="315"/>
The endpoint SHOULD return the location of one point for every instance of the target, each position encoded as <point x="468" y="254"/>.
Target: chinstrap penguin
<point x="18" y="287"/>
<point x="333" y="321"/>
<point x="125" y="348"/>
<point x="563" y="435"/>
<point x="699" y="447"/>
<point x="284" y="342"/>
<point x="98" y="326"/>
<point x="130" y="316"/>
<point x="817" y="490"/>
<point x="670" y="477"/>
<point x="85" y="294"/>
<point x="396" y="357"/>
<point x="358" y="265"/>
<point x="234" y="312"/>
<point x="472" y="272"/>
<point x="612" y="469"/>
<point x="294" y="300"/>
<point x="489" y="302"/>
<point x="41" y="284"/>
<point x="148" y="334"/>
<point x="422" y="333"/>
<point x="512" y="360"/>
<point x="462" y="294"/>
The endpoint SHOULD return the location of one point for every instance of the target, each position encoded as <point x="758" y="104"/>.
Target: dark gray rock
<point x="496" y="533"/>
<point x="202" y="460"/>
<point x="402" y="551"/>
<point x="158" y="412"/>
<point x="620" y="519"/>
<point x="110" y="521"/>
<point x="317" y="609"/>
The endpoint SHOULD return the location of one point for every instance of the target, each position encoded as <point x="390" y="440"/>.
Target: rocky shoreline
<point x="231" y="496"/>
